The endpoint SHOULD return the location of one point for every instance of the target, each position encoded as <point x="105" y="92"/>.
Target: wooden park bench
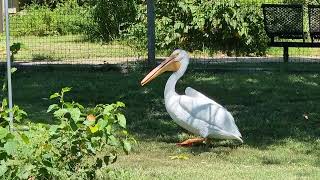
<point x="285" y="22"/>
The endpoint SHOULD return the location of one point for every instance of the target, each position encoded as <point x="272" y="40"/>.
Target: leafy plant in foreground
<point x="84" y="135"/>
<point x="18" y="113"/>
<point x="11" y="143"/>
<point x="80" y="146"/>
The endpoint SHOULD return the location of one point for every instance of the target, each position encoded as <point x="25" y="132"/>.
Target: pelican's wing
<point x="196" y="94"/>
<point x="202" y="108"/>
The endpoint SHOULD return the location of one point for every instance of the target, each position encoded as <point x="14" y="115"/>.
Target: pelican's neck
<point x="170" y="89"/>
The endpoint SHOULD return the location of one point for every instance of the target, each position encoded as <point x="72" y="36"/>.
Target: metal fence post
<point x="286" y="54"/>
<point x="6" y="9"/>
<point x="151" y="33"/>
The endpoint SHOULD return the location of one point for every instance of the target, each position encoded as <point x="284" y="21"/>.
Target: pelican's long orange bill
<point x="170" y="64"/>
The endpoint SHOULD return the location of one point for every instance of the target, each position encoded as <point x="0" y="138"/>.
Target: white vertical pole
<point x="1" y="17"/>
<point x="8" y="63"/>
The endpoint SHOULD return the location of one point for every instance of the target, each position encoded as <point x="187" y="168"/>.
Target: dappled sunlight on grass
<point x="303" y="80"/>
<point x="278" y="114"/>
<point x="270" y="104"/>
<point x="70" y="47"/>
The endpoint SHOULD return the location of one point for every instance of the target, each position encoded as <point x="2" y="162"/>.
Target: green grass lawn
<point x="73" y="47"/>
<point x="269" y="108"/>
<point x="69" y="47"/>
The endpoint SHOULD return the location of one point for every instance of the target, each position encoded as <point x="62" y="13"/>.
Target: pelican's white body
<point x="197" y="113"/>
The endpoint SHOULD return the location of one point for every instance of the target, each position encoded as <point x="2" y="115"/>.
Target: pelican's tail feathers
<point x="239" y="138"/>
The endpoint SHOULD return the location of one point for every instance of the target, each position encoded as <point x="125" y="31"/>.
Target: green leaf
<point x="3" y="132"/>
<point x="55" y="95"/>
<point x="13" y="70"/>
<point x="25" y="171"/>
<point x="126" y="146"/>
<point x="4" y="103"/>
<point x="60" y="113"/>
<point x="75" y="113"/>
<point x="22" y="112"/>
<point x="102" y="124"/>
<point x="109" y="129"/>
<point x="89" y="123"/>
<point x="66" y="89"/>
<point x="52" y="107"/>
<point x="113" y="141"/>
<point x="89" y="146"/>
<point x="125" y="132"/>
<point x="24" y="138"/>
<point x="120" y="104"/>
<point x="79" y="106"/>
<point x="11" y="147"/>
<point x="4" y="86"/>
<point x="3" y="168"/>
<point x="94" y="129"/>
<point x="68" y="105"/>
<point x="108" y="109"/>
<point x="121" y="120"/>
<point x="53" y="129"/>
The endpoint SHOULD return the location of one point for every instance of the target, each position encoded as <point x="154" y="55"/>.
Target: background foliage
<point x="109" y="18"/>
<point x="198" y="25"/>
<point x="41" y="20"/>
<point x="228" y="26"/>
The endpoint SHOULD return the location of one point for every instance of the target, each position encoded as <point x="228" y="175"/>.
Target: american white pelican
<point x="193" y="111"/>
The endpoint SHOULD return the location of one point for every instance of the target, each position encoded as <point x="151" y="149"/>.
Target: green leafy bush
<point x="80" y="146"/>
<point x="234" y="27"/>
<point x="197" y="25"/>
<point x="89" y="137"/>
<point x="22" y="158"/>
<point x="67" y="18"/>
<point x="18" y="114"/>
<point x="50" y="3"/>
<point x="109" y="18"/>
<point x="11" y="143"/>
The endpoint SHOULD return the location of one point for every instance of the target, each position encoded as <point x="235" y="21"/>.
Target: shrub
<point x="85" y="135"/>
<point x="83" y="142"/>
<point x="67" y="18"/>
<point x="195" y="25"/>
<point x="18" y="113"/>
<point x="232" y="26"/>
<point x="109" y="18"/>
<point x="12" y="142"/>
<point x="51" y="3"/>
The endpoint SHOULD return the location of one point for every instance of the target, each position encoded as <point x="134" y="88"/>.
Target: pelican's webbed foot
<point x="190" y="142"/>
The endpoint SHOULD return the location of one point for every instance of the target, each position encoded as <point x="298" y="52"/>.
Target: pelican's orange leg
<point x="190" y="142"/>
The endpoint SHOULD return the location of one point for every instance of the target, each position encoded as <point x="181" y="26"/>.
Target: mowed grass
<point x="75" y="48"/>
<point x="278" y="114"/>
<point x="69" y="47"/>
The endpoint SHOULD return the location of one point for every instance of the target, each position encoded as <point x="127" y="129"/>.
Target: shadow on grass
<point x="268" y="106"/>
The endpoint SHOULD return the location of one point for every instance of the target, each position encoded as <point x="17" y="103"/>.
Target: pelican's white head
<point x="183" y="58"/>
<point x="177" y="62"/>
